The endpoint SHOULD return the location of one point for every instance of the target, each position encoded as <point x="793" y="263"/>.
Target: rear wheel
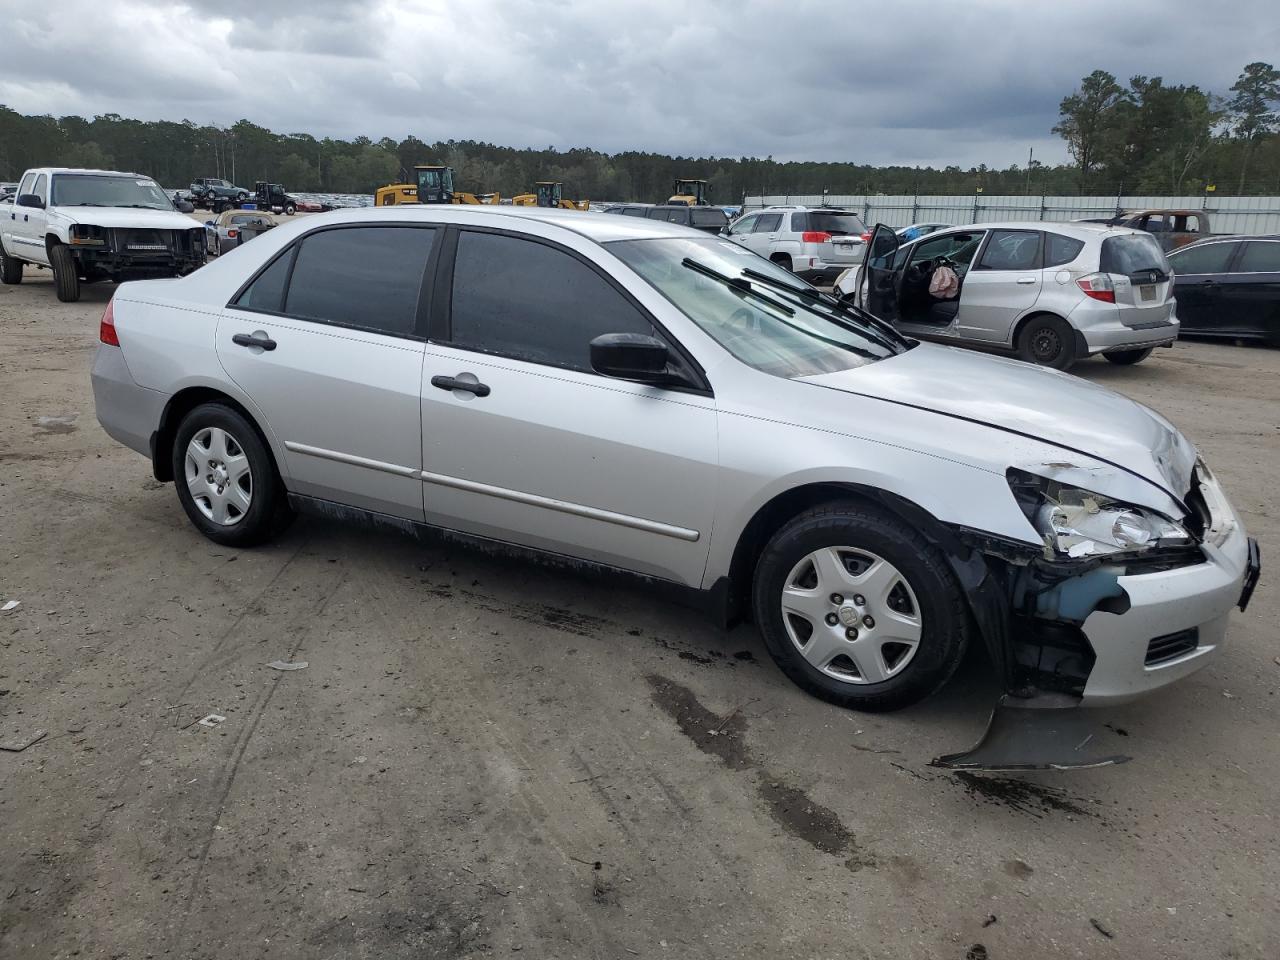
<point x="1047" y="341"/>
<point x="1127" y="358"/>
<point x="66" y="276"/>
<point x="10" y="269"/>
<point x="859" y="609"/>
<point x="782" y="260"/>
<point x="226" y="479"/>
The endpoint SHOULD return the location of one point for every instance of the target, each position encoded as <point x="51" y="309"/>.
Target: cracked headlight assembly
<point x="1079" y="524"/>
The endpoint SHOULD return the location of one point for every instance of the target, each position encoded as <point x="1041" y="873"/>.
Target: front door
<point x="1001" y="286"/>
<point x="334" y="362"/>
<point x="1253" y="289"/>
<point x="764" y="233"/>
<point x="741" y="228"/>
<point x="524" y="443"/>
<point x="28" y="223"/>
<point x="882" y="281"/>
<point x="1200" y="278"/>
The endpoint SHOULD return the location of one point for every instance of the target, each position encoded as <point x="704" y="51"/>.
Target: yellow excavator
<point x="690" y="193"/>
<point x="433" y="184"/>
<point x="548" y="193"/>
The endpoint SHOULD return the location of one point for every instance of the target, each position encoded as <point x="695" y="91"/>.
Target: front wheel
<point x="226" y="478"/>
<point x="858" y="608"/>
<point x="1127" y="358"/>
<point x="66" y="275"/>
<point x="1048" y="342"/>
<point x="290" y="210"/>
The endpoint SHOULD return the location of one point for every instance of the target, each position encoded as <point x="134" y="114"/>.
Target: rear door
<point x="1003" y="283"/>
<point x="882" y="279"/>
<point x="340" y="388"/>
<point x="1253" y="289"/>
<point x="523" y="442"/>
<point x="1142" y="278"/>
<point x="1200" y="286"/>
<point x="764" y="233"/>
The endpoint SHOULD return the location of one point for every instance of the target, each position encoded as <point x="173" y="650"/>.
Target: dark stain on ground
<point x="694" y="658"/>
<point x="801" y="817"/>
<point x="745" y="655"/>
<point x="1121" y="731"/>
<point x="1022" y="795"/>
<point x="976" y="952"/>
<point x="1016" y="868"/>
<point x="719" y="736"/>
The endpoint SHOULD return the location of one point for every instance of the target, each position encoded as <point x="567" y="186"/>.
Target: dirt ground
<point x="485" y="758"/>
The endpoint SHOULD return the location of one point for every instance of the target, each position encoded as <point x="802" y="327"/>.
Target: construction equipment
<point x="548" y="193"/>
<point x="690" y="193"/>
<point x="433" y="184"/>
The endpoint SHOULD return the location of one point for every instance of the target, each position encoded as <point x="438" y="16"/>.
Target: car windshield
<point x="79" y="190"/>
<point x="838" y="224"/>
<point x="1131" y="254"/>
<point x="757" y="311"/>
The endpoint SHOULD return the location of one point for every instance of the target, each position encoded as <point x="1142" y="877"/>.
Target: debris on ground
<point x="991" y="918"/>
<point x="11" y="605"/>
<point x="212" y="720"/>
<point x="976" y="952"/>
<point x="283" y="665"/>
<point x="1097" y="925"/>
<point x="17" y="746"/>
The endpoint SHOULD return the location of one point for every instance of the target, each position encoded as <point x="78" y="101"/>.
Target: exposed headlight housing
<point x="86" y="235"/>
<point x="1078" y="524"/>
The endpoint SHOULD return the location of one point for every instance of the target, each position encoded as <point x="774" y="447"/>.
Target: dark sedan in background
<point x="1229" y="287"/>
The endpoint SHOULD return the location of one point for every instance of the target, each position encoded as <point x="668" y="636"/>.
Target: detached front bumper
<point x="1177" y="619"/>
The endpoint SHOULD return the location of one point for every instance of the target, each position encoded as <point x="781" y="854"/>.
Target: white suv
<point x="815" y="243"/>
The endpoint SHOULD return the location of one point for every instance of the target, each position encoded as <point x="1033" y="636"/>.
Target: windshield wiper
<point x="79" y="204"/>
<point x="736" y="284"/>
<point x="833" y="303"/>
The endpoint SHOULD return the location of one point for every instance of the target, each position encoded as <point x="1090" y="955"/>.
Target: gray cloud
<point x="805" y="79"/>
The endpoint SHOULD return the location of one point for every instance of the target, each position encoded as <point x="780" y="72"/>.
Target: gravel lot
<point x="486" y="758"/>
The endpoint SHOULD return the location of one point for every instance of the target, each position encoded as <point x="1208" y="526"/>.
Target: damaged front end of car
<point x="1117" y="599"/>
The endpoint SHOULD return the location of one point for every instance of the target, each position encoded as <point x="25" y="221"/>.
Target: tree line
<point x="1143" y="137"/>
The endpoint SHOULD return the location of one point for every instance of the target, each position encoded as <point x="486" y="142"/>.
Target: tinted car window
<point x="1210" y="258"/>
<point x="798" y="224"/>
<point x="1059" y="249"/>
<point x="1132" y="254"/>
<point x="266" y="293"/>
<point x="365" y="277"/>
<point x="634" y="211"/>
<point x="838" y="223"/>
<point x="527" y="300"/>
<point x="703" y="217"/>
<point x="1260" y="257"/>
<point x="1011" y="250"/>
<point x="767" y="223"/>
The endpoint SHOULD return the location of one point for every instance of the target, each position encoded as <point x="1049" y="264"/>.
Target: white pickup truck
<point x="95" y="225"/>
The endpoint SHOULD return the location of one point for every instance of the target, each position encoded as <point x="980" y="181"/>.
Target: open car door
<point x="882" y="282"/>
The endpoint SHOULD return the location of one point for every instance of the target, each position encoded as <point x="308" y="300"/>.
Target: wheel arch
<point x="1082" y="346"/>
<point x="986" y="598"/>
<point x="182" y="403"/>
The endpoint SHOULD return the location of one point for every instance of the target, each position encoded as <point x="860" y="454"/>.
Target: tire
<point x="252" y="506"/>
<point x="66" y="276"/>
<point x="910" y="592"/>
<point x="782" y="260"/>
<point x="290" y="210"/>
<point x="10" y="269"/>
<point x="241" y="198"/>
<point x="1048" y="342"/>
<point x="1127" y="358"/>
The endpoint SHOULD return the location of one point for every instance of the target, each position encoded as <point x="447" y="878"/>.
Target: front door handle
<point x="1026" y="279"/>
<point x="454" y="383"/>
<point x="254" y="340"/>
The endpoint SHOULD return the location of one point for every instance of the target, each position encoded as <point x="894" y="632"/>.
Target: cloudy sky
<point x="919" y="83"/>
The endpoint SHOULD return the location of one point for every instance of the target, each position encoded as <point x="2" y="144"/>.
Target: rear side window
<point x="703" y="217"/>
<point x="1260" y="257"/>
<point x="767" y="223"/>
<point x="1131" y="254"/>
<point x="530" y="301"/>
<point x="266" y="293"/>
<point x="1210" y="258"/>
<point x="1011" y="250"/>
<point x="1059" y="249"/>
<point x="798" y="224"/>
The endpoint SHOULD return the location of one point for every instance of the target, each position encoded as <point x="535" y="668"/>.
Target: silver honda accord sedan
<point x="639" y="396"/>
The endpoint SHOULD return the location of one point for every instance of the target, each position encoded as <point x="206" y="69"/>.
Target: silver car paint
<point x="635" y="476"/>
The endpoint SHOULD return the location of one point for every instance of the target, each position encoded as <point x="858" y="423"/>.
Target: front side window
<point x="83" y="190"/>
<point x="957" y="247"/>
<point x="530" y="301"/>
<point x="1260" y="256"/>
<point x="1011" y="250"/>
<point x="42" y="188"/>
<point x="27" y="183"/>
<point x="769" y="321"/>
<point x="745" y="225"/>
<point x="1209" y="258"/>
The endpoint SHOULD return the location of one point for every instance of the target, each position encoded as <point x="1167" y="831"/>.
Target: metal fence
<point x="1226" y="214"/>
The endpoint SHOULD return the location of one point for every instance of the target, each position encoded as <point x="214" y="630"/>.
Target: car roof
<point x="1080" y="231"/>
<point x="796" y="207"/>
<point x="598" y="227"/>
<point x="93" y="173"/>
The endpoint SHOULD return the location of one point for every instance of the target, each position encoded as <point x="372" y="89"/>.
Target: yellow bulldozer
<point x="433" y="184"/>
<point x="690" y="193"/>
<point x="548" y="193"/>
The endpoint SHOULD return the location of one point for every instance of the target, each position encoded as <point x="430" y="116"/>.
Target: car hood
<point x="129" y="217"/>
<point x="1030" y="401"/>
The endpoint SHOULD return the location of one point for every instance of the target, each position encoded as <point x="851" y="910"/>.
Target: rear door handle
<point x="453" y="383"/>
<point x="254" y="340"/>
<point x="1026" y="279"/>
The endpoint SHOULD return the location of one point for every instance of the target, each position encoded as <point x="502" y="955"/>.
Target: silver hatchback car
<point x="1053" y="292"/>
<point x="639" y="396"/>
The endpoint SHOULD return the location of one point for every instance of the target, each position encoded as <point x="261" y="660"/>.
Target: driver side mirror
<point x="185" y="207"/>
<point x="630" y="356"/>
<point x="30" y="200"/>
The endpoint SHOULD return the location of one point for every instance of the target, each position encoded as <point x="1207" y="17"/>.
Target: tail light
<point x="107" y="328"/>
<point x="233" y="234"/>
<point x="866" y="236"/>
<point x="814" y="236"/>
<point x="1098" y="286"/>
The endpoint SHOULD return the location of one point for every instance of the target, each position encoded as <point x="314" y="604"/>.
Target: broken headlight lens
<point x="1079" y="524"/>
